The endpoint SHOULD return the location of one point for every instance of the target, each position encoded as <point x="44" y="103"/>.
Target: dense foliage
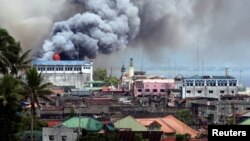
<point x="102" y="75"/>
<point x="13" y="89"/>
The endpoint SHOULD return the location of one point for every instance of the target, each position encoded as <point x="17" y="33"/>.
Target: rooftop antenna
<point x="202" y="67"/>
<point x="227" y="71"/>
<point x="111" y="71"/>
<point x="169" y="68"/>
<point x="240" y="75"/>
<point x="197" y="56"/>
<point x="142" y="64"/>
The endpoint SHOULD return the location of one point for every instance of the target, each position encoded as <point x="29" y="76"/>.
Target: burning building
<point x="65" y="73"/>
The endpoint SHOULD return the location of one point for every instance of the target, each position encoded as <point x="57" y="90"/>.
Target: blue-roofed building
<point x="209" y="86"/>
<point x="65" y="73"/>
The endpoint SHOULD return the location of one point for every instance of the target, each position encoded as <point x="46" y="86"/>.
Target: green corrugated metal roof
<point x="87" y="123"/>
<point x="130" y="123"/>
<point x="246" y="122"/>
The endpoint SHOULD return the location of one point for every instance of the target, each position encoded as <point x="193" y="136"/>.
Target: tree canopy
<point x="12" y="58"/>
<point x="101" y="75"/>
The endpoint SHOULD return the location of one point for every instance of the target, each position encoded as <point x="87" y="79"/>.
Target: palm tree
<point x="10" y="94"/>
<point x="9" y="51"/>
<point x="34" y="89"/>
<point x="21" y="63"/>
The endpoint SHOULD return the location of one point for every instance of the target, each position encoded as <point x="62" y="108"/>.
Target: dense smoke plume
<point x="106" y="26"/>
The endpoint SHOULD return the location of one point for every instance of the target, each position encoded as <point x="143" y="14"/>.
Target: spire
<point x="123" y="69"/>
<point x="131" y="62"/>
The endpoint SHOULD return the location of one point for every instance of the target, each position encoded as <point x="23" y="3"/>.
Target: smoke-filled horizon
<point x="221" y="26"/>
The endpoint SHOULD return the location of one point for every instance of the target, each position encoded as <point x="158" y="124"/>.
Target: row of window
<point x="61" y="68"/>
<point x="51" y="138"/>
<point x="211" y="84"/>
<point x="154" y="90"/>
<point x="210" y="91"/>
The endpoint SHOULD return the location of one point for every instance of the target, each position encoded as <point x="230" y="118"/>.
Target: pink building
<point x="154" y="87"/>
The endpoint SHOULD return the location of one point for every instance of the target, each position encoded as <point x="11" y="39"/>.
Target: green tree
<point x="34" y="89"/>
<point x="10" y="94"/>
<point x="185" y="116"/>
<point x="111" y="81"/>
<point x="25" y="123"/>
<point x="100" y="74"/>
<point x="9" y="51"/>
<point x="21" y="63"/>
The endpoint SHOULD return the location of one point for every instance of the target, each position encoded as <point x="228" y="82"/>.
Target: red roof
<point x="170" y="124"/>
<point x="179" y="126"/>
<point x="53" y="123"/>
<point x="164" y="127"/>
<point x="57" y="91"/>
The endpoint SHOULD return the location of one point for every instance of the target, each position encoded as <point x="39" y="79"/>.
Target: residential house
<point x="129" y="124"/>
<point x="87" y="123"/>
<point x="169" y="125"/>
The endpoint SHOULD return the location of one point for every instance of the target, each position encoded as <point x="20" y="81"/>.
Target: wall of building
<point x="218" y="111"/>
<point x="209" y="92"/>
<point x="209" y="88"/>
<point x="68" y="79"/>
<point x="59" y="134"/>
<point x="65" y="73"/>
<point x="153" y="87"/>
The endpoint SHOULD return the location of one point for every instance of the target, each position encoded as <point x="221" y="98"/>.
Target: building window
<point x="68" y="68"/>
<point x="153" y="128"/>
<point x="51" y="137"/>
<point x="139" y="90"/>
<point x="211" y="83"/>
<point x="162" y="90"/>
<point x="248" y="108"/>
<point x="199" y="82"/>
<point x="199" y="91"/>
<point x="210" y="92"/>
<point x="222" y="82"/>
<point x="222" y="92"/>
<point x="154" y="90"/>
<point x="188" y="91"/>
<point x="147" y="90"/>
<point x="232" y="92"/>
<point x="64" y="138"/>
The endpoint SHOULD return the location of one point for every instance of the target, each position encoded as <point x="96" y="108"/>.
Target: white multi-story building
<point x="209" y="86"/>
<point x="65" y="73"/>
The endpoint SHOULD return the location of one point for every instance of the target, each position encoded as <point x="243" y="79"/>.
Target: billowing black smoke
<point x="105" y="27"/>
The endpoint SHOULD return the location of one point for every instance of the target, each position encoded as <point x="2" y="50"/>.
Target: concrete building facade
<point x="209" y="86"/>
<point x="152" y="87"/>
<point x="65" y="73"/>
<point x="59" y="134"/>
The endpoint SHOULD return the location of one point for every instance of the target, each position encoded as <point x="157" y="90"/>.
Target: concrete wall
<point x="59" y="134"/>
<point x="67" y="79"/>
<point x="204" y="91"/>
